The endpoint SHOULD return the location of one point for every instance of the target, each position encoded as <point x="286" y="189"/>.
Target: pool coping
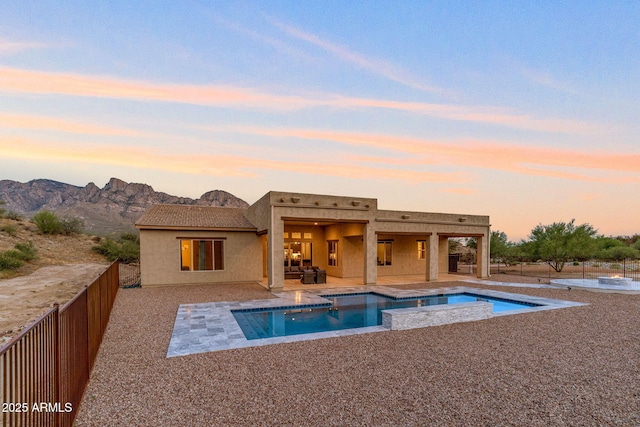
<point x="208" y="327"/>
<point x="593" y="284"/>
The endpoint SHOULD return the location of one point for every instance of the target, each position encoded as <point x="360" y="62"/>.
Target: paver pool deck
<point x="206" y="327"/>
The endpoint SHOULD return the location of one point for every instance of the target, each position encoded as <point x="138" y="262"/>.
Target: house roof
<point x="194" y="217"/>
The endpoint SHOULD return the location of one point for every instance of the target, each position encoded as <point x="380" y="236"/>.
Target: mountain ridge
<point x="108" y="210"/>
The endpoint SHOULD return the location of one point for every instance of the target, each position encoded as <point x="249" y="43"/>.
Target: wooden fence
<point x="45" y="369"/>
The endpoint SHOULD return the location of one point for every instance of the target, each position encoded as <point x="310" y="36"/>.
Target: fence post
<point x="521" y="262"/>
<point x="57" y="363"/>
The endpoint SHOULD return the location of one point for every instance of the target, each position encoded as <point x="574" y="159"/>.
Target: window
<point x="333" y="253"/>
<point x="201" y="255"/>
<point x="422" y="249"/>
<point x="297" y="254"/>
<point x="384" y="253"/>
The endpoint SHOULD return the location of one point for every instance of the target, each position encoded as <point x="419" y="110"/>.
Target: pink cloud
<point x="528" y="160"/>
<point x="60" y="125"/>
<point x="199" y="164"/>
<point x="40" y="82"/>
<point x="16" y="80"/>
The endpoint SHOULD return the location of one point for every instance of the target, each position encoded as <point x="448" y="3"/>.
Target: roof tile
<point x="187" y="216"/>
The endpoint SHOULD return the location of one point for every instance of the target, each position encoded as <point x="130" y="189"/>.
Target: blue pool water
<point x="346" y="312"/>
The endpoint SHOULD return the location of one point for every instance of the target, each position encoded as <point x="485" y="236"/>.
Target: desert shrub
<point x="9" y="261"/>
<point x="15" y="258"/>
<point x="10" y="229"/>
<point x="132" y="237"/>
<point x="615" y="266"/>
<point x="576" y="263"/>
<point x="48" y="222"/>
<point x="14" y="216"/>
<point x="28" y="252"/>
<point x="71" y="225"/>
<point x="125" y="250"/>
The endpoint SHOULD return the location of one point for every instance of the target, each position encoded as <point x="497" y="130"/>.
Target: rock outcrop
<point x="111" y="209"/>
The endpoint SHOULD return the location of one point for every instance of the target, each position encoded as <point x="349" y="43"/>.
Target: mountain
<point x="109" y="210"/>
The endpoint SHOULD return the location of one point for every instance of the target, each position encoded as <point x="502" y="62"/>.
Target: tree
<point x="618" y="253"/>
<point x="615" y="249"/>
<point x="454" y="246"/>
<point x="472" y="243"/>
<point x="560" y="242"/>
<point x="499" y="246"/>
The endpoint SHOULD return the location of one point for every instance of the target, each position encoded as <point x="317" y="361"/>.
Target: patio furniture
<point x="292" y="272"/>
<point x="321" y="276"/>
<point x="308" y="277"/>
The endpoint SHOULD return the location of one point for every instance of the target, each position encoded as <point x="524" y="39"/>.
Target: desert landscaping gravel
<point x="578" y="366"/>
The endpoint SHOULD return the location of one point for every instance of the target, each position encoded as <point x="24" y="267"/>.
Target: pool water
<point x="347" y="312"/>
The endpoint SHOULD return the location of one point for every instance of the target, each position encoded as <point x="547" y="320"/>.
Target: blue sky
<point x="524" y="111"/>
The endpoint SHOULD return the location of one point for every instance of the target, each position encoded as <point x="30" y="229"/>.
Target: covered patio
<point x="354" y="243"/>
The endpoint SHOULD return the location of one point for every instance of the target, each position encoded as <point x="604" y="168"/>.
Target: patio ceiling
<point x="320" y="222"/>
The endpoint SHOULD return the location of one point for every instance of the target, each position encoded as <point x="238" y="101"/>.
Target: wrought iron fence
<point x="129" y="275"/>
<point x="45" y="369"/>
<point x="29" y="373"/>
<point x="591" y="269"/>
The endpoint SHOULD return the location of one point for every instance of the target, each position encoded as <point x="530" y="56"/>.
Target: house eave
<point x="182" y="228"/>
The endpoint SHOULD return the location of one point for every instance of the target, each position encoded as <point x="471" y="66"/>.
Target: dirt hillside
<point x="64" y="265"/>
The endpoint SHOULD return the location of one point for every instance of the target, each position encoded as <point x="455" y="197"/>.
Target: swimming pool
<point x="349" y="311"/>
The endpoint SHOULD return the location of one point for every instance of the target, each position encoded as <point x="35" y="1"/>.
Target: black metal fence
<point x="591" y="269"/>
<point x="129" y="275"/>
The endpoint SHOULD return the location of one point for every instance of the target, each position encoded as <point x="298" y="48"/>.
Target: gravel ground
<point x="578" y="366"/>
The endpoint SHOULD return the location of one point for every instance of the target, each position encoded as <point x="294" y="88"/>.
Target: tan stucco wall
<point x="160" y="258"/>
<point x="405" y="256"/>
<point x="350" y="249"/>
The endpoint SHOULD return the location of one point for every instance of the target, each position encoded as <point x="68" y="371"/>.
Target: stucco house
<point x="348" y="237"/>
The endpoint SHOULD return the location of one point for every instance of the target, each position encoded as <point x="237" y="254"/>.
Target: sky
<point x="525" y="111"/>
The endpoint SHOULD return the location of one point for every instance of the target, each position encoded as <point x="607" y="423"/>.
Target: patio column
<point x="432" y="259"/>
<point x="443" y="255"/>
<point x="482" y="257"/>
<point x="275" y="258"/>
<point x="370" y="249"/>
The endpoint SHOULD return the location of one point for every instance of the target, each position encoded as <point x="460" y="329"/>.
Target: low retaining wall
<point x="433" y="315"/>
